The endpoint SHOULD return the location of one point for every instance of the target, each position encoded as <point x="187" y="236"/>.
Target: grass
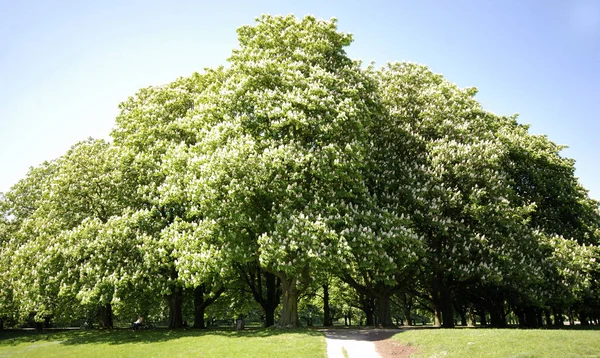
<point x="502" y="342"/>
<point x="164" y="343"/>
<point x="345" y="353"/>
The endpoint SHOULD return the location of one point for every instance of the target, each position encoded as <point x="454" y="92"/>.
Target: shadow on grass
<point x="127" y="336"/>
<point x="371" y="335"/>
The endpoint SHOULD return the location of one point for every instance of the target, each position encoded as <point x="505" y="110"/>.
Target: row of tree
<point x="295" y="168"/>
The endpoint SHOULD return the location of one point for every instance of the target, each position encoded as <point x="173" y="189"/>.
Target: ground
<point x="364" y="343"/>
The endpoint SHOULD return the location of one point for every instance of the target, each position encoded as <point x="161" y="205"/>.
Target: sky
<point x="66" y="65"/>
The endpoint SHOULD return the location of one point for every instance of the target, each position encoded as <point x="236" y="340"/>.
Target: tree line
<point x="294" y="170"/>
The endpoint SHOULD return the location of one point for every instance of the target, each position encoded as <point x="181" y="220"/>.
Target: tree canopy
<point x="295" y="171"/>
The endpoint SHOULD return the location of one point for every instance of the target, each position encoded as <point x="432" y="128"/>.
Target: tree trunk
<point x="273" y="299"/>
<point x="368" y="307"/>
<point x="520" y="313"/>
<point x="406" y="305"/>
<point x="571" y="318"/>
<point x="482" y="318"/>
<point x="384" y="316"/>
<point x="463" y="317"/>
<point x="447" y="307"/>
<point x="548" y="320"/>
<point x="497" y="317"/>
<point x="530" y="316"/>
<point x="326" y="316"/>
<point x="440" y="295"/>
<point x="538" y="317"/>
<point x="268" y="299"/>
<point x="583" y="319"/>
<point x="289" y="309"/>
<point x="437" y="316"/>
<point x="471" y="316"/>
<point x="558" y="318"/>
<point x="199" y="317"/>
<point x="200" y="303"/>
<point x="199" y="307"/>
<point x="407" y="315"/>
<point x="269" y="316"/>
<point x="175" y="301"/>
<point x="106" y="316"/>
<point x="39" y="326"/>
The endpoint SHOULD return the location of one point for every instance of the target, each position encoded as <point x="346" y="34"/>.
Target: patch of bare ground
<point x="389" y="348"/>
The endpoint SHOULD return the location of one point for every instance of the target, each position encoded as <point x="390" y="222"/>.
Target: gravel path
<point x="359" y="343"/>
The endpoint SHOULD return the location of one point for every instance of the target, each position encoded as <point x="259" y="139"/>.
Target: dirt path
<point x="364" y="343"/>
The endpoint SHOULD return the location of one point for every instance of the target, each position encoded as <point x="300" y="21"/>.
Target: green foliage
<point x="295" y="161"/>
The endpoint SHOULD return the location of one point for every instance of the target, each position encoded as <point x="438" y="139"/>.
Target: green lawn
<point x="163" y="343"/>
<point x="502" y="342"/>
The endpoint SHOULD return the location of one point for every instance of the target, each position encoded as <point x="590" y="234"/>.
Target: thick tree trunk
<point x="497" y="316"/>
<point x="583" y="319"/>
<point x="269" y="316"/>
<point x="384" y="315"/>
<point x="497" y="319"/>
<point x="273" y="299"/>
<point x="447" y="307"/>
<point x="482" y="318"/>
<point x="175" y="301"/>
<point x="106" y="317"/>
<point x="531" y="317"/>
<point x="442" y="302"/>
<point x="326" y="316"/>
<point x="199" y="317"/>
<point x="289" y="309"/>
<point x="39" y="326"/>
<point x="200" y="303"/>
<point x="368" y="307"/>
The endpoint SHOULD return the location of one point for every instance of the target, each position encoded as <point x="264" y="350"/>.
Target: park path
<point x="359" y="343"/>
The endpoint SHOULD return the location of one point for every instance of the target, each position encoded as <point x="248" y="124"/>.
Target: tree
<point x="148" y="124"/>
<point x="459" y="194"/>
<point x="289" y="169"/>
<point x="279" y="155"/>
<point x="24" y="245"/>
<point x="85" y="188"/>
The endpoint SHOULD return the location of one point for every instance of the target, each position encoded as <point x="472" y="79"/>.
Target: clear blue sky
<point x="66" y="65"/>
